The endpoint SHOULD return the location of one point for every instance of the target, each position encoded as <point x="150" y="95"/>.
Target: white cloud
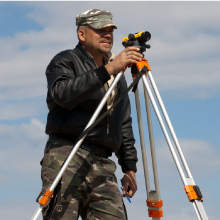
<point x="23" y="148"/>
<point x="35" y="131"/>
<point x="184" y="54"/>
<point x="201" y="156"/>
<point x="21" y="110"/>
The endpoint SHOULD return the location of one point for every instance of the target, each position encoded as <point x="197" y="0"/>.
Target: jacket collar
<point x="83" y="51"/>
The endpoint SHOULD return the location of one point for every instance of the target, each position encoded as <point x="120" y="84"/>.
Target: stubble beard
<point x="107" y="48"/>
<point x="105" y="51"/>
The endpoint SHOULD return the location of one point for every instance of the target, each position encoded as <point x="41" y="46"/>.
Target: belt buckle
<point x="59" y="208"/>
<point x="100" y="152"/>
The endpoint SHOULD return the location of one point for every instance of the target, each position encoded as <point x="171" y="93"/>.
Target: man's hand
<point x="129" y="181"/>
<point x="128" y="56"/>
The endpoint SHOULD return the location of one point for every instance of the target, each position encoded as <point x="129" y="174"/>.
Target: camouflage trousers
<point x="88" y="187"/>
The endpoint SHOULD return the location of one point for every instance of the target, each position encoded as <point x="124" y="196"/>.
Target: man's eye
<point x="102" y="31"/>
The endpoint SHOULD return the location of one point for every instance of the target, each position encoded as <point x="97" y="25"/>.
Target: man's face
<point x="98" y="41"/>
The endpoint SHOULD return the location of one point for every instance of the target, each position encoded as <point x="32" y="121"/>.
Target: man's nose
<point x="107" y="34"/>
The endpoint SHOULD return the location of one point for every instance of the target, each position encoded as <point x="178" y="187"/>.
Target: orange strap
<point x="155" y="213"/>
<point x="155" y="204"/>
<point x="192" y="195"/>
<point x="158" y="213"/>
<point x="140" y="65"/>
<point x="47" y="195"/>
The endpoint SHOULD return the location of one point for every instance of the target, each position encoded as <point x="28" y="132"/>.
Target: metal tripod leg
<point x="197" y="204"/>
<point x="153" y="154"/>
<point x="76" y="147"/>
<point x="186" y="181"/>
<point x="152" y="196"/>
<point x="169" y="125"/>
<point x="143" y="150"/>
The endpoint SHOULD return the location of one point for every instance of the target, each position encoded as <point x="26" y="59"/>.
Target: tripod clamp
<point x="140" y="65"/>
<point x="193" y="192"/>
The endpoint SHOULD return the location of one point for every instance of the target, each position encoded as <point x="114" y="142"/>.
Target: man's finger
<point x="135" y="54"/>
<point x="136" y="58"/>
<point x="132" y="48"/>
<point x="130" y="194"/>
<point x="125" y="189"/>
<point x="131" y="184"/>
<point x="131" y="191"/>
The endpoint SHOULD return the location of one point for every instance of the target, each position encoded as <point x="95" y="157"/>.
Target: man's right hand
<point x="128" y="56"/>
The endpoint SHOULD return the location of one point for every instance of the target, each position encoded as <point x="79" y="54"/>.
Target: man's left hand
<point x="129" y="181"/>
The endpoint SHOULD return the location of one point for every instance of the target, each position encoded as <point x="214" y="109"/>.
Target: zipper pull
<point x="107" y="128"/>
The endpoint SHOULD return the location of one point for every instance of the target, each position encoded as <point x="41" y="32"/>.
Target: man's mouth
<point x="106" y="42"/>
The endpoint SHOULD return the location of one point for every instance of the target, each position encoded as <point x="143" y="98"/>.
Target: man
<point x="77" y="82"/>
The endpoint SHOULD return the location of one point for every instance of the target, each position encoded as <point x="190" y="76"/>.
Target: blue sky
<point x="184" y="57"/>
<point x="15" y="14"/>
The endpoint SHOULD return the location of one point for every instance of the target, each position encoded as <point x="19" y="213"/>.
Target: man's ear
<point x="81" y="35"/>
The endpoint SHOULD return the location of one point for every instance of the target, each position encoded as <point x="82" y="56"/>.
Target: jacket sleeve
<point x="69" y="89"/>
<point x="127" y="154"/>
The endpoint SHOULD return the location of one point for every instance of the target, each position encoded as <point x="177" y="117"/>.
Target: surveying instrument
<point x="140" y="70"/>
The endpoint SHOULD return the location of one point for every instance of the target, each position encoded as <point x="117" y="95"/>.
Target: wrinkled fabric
<point x="88" y="186"/>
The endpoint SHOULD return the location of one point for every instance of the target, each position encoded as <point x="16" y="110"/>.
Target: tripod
<point x="193" y="192"/>
<point x="154" y="201"/>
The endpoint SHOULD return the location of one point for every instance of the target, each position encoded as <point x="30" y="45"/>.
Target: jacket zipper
<point x="107" y="128"/>
<point x="108" y="116"/>
<point x="108" y="120"/>
<point x="108" y="123"/>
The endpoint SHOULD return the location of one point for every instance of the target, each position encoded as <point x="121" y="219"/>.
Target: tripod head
<point x="137" y="40"/>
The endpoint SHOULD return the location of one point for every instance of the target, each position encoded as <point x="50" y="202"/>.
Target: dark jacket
<point x="75" y="89"/>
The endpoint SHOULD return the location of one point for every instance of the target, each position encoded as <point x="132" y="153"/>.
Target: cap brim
<point x="102" y="24"/>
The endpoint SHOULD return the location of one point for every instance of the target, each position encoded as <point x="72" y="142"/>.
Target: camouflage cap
<point x="96" y="18"/>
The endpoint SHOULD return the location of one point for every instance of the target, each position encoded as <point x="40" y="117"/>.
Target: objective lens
<point x="145" y="36"/>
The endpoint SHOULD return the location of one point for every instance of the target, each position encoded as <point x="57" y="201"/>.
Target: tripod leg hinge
<point x="155" y="210"/>
<point x="45" y="198"/>
<point x="140" y="65"/>
<point x="193" y="192"/>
